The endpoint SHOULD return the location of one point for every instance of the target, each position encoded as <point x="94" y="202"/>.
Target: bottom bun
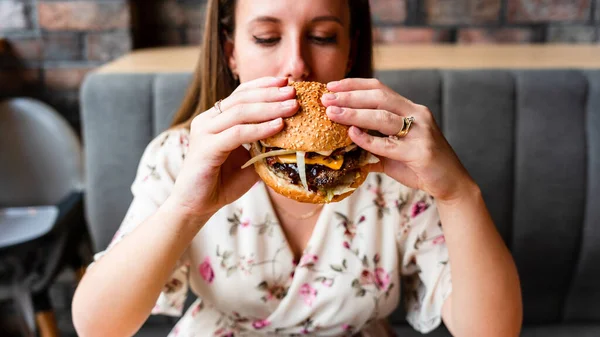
<point x="298" y="193"/>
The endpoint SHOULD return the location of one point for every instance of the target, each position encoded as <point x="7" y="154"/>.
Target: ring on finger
<point x="218" y="106"/>
<point x="406" y="124"/>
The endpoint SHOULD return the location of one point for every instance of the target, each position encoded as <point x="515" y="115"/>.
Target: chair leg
<point x="46" y="322"/>
<point x="79" y="273"/>
<point x="22" y="299"/>
<point x="44" y="315"/>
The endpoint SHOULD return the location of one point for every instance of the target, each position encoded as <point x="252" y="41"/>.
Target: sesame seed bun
<point x="310" y="130"/>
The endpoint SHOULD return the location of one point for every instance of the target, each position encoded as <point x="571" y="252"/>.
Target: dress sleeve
<point x="425" y="270"/>
<point x="156" y="173"/>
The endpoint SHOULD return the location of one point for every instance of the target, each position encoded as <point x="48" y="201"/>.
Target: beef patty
<point x="318" y="177"/>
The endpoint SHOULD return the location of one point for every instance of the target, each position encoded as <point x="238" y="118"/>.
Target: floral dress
<point x="364" y="251"/>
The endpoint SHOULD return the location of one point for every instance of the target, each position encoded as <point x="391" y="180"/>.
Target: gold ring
<point x="406" y="123"/>
<point x="218" y="106"/>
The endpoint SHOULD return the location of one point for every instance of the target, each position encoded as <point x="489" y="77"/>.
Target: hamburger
<point x="312" y="159"/>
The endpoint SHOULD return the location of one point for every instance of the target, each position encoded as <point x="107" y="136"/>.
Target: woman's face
<point x="299" y="39"/>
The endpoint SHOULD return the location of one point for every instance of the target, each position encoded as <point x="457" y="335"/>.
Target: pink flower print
<point x="439" y="240"/>
<point x="222" y="332"/>
<point x="183" y="140"/>
<point x="245" y="223"/>
<point x="362" y="219"/>
<point x="259" y="324"/>
<point x="382" y="279"/>
<point x="308" y="293"/>
<point x="347" y="327"/>
<point x="206" y="270"/>
<point x="350" y="230"/>
<point x="346" y="245"/>
<point x="366" y="277"/>
<point x="375" y="190"/>
<point x="308" y="259"/>
<point x="197" y="309"/>
<point x="419" y="208"/>
<point x="327" y="282"/>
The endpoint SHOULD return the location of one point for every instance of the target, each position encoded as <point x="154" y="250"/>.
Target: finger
<point x="380" y="120"/>
<point x="400" y="172"/>
<point x="370" y="99"/>
<point x="258" y="95"/>
<point x="252" y="113"/>
<point x="352" y="84"/>
<point x="396" y="149"/>
<point x="235" y="136"/>
<point x="263" y="82"/>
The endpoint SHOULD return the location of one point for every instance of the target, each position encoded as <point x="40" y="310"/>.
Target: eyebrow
<point x="328" y="18"/>
<point x="317" y="19"/>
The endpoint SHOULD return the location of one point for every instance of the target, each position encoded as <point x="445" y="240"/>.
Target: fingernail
<point x="276" y="122"/>
<point x="286" y="89"/>
<point x="355" y="131"/>
<point x="335" y="110"/>
<point x="329" y="97"/>
<point x="288" y="103"/>
<point x="333" y="84"/>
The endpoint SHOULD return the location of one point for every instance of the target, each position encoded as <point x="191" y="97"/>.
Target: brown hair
<point x="213" y="80"/>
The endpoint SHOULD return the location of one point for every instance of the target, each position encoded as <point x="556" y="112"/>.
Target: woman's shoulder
<point x="166" y="151"/>
<point x="173" y="141"/>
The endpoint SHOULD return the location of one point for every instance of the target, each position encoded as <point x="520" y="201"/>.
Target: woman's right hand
<point x="211" y="176"/>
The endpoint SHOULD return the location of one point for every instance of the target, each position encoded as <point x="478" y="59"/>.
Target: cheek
<point x="329" y="66"/>
<point x="253" y="64"/>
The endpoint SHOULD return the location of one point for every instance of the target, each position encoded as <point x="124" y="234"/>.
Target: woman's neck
<point x="290" y="205"/>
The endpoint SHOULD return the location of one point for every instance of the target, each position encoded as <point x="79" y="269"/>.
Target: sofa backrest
<point x="531" y="139"/>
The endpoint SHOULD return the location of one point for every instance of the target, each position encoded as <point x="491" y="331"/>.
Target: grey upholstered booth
<point x="530" y="138"/>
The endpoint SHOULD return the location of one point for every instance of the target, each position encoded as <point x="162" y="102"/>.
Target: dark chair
<point x="41" y="208"/>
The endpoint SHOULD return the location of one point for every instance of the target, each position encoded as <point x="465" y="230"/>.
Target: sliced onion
<point x="302" y="168"/>
<point x="370" y="159"/>
<point x="266" y="155"/>
<point x="325" y="153"/>
<point x="350" y="147"/>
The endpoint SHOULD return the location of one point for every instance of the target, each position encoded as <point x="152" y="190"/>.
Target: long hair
<point x="213" y="80"/>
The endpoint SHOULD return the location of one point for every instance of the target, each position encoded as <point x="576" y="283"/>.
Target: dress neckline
<point x="316" y="233"/>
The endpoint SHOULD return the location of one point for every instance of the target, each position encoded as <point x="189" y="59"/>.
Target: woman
<point x="260" y="263"/>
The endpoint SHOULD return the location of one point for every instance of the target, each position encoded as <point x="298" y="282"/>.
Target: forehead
<point x="291" y="10"/>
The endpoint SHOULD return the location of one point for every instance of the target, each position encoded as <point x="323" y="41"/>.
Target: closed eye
<point x="266" y="41"/>
<point x="324" y="40"/>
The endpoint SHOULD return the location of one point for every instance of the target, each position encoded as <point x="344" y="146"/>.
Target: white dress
<point x="242" y="269"/>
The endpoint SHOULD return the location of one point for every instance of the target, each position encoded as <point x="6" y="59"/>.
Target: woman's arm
<point x="486" y="295"/>
<point x="118" y="292"/>
<point x="486" y="299"/>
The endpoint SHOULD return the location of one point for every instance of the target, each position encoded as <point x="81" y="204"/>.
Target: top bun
<point x="310" y="130"/>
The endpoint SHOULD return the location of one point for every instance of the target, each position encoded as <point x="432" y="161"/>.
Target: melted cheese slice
<point x="334" y="163"/>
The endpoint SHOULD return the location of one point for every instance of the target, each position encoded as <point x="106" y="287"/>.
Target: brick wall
<point x="422" y="21"/>
<point x="50" y="45"/>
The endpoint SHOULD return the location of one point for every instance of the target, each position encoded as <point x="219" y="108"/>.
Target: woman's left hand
<point x="423" y="159"/>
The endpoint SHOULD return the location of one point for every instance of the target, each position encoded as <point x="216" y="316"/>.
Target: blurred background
<point x="47" y="48"/>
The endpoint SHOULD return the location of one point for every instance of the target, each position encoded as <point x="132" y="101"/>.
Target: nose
<point x="296" y="67"/>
